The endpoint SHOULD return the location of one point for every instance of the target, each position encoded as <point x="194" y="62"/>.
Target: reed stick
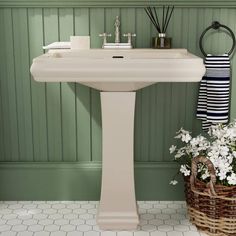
<point x="163" y="13"/>
<point x="166" y="18"/>
<point x="154" y="18"/>
<point x="169" y="18"/>
<point x="157" y="19"/>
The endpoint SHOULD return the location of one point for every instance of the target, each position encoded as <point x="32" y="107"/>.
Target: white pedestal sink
<point x="118" y="74"/>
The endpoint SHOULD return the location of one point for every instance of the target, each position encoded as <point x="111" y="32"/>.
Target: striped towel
<point x="214" y="92"/>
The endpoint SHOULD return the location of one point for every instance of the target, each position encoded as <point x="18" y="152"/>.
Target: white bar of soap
<point x="80" y="42"/>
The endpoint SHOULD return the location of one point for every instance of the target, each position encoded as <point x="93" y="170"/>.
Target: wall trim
<point x="80" y="165"/>
<point x="81" y="181"/>
<point x="116" y="3"/>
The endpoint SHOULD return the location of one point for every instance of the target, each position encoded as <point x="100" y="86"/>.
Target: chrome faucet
<point x="117" y="30"/>
<point x="117" y="43"/>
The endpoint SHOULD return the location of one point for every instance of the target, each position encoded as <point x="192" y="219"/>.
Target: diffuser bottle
<point x="161" y="42"/>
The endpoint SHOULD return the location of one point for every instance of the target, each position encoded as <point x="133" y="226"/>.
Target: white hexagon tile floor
<point x="74" y="218"/>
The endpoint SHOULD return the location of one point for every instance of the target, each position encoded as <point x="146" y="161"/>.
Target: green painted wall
<point x="50" y="134"/>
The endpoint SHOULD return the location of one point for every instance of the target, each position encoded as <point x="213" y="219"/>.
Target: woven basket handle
<point x="210" y="186"/>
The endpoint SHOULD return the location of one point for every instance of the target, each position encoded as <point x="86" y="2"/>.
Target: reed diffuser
<point x="161" y="41"/>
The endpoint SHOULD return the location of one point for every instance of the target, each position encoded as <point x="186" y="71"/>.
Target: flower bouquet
<point x="208" y="164"/>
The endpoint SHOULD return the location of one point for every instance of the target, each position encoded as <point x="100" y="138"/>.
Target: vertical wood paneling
<point x="2" y="147"/>
<point x="38" y="90"/>
<point x="8" y="88"/>
<point x="143" y="31"/>
<point x="23" y="82"/>
<point x="192" y="88"/>
<point x="2" y="77"/>
<point x="56" y="122"/>
<point x="83" y="95"/>
<point x="128" y="22"/>
<point x="68" y="99"/>
<point x="97" y="19"/>
<point x="81" y="21"/>
<point x="166" y="122"/>
<point x="53" y="91"/>
<point x="143" y="114"/>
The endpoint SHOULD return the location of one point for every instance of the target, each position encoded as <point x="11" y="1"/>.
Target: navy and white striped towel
<point x="214" y="92"/>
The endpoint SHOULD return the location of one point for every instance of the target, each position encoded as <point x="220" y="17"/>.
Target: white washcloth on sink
<point x="58" y="45"/>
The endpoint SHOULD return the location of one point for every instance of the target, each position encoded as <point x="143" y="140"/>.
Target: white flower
<point x="224" y="150"/>
<point x="173" y="182"/>
<point x="184" y="170"/>
<point x="234" y="153"/>
<point x="179" y="154"/>
<point x="219" y="147"/>
<point x="186" y="138"/>
<point x="184" y="135"/>
<point x="232" y="179"/>
<point x="222" y="174"/>
<point x="172" y="149"/>
<point x="205" y="175"/>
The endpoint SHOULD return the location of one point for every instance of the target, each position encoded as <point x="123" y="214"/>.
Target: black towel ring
<point x="216" y="25"/>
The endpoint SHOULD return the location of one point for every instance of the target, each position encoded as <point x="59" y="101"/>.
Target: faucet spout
<point x="117" y="30"/>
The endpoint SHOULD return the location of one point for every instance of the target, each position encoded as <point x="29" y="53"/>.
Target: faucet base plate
<point x="117" y="45"/>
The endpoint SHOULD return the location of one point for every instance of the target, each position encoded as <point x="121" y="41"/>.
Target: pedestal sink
<point x="118" y="74"/>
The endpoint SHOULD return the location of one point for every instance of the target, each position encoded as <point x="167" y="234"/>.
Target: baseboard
<point x="81" y="181"/>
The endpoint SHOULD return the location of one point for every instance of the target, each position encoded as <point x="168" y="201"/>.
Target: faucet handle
<point x="105" y="35"/>
<point x="129" y="36"/>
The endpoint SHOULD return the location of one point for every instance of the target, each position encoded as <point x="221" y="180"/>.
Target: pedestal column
<point x="118" y="208"/>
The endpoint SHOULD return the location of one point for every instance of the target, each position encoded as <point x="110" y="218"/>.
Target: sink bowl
<point x="118" y="70"/>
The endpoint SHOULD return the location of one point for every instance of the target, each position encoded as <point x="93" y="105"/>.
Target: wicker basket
<point x="211" y="207"/>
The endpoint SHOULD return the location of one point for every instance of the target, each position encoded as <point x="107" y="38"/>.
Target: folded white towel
<point x="58" y="45"/>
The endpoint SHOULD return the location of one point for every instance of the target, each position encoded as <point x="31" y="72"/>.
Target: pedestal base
<point x="118" y="208"/>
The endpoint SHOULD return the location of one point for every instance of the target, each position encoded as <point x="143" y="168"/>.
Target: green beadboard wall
<point x="50" y="134"/>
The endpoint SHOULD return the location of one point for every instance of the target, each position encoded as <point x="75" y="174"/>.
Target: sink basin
<point x="118" y="70"/>
<point x="118" y="74"/>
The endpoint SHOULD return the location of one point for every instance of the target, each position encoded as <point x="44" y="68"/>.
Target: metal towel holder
<point x="216" y="25"/>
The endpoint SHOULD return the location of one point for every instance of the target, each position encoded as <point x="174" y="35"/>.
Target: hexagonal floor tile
<point x="35" y="228"/>
<point x="165" y="228"/>
<point x="18" y="228"/>
<point x="45" y="222"/>
<point x="78" y="218"/>
<point x="91" y="233"/>
<point x="77" y="222"/>
<point x="40" y="216"/>
<point x="8" y="233"/>
<point x="84" y="228"/>
<point x="58" y="206"/>
<point x="75" y="233"/>
<point x="58" y="233"/>
<point x="85" y="216"/>
<point x="51" y="228"/>
<point x="25" y="233"/>
<point x="14" y="222"/>
<point x="68" y="228"/>
<point x="147" y="216"/>
<point x="61" y="222"/>
<point x="43" y="233"/>
<point x="5" y="228"/>
<point x="30" y="222"/>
